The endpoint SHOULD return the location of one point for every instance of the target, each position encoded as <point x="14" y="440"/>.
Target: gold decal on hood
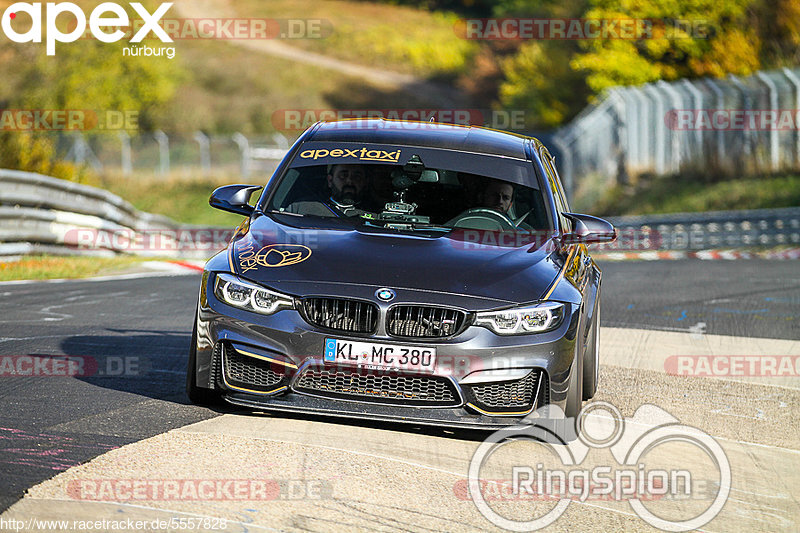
<point x="247" y="257"/>
<point x="272" y="255"/>
<point x="277" y="255"/>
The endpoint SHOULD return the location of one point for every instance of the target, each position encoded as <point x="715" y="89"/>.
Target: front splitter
<point x="439" y="417"/>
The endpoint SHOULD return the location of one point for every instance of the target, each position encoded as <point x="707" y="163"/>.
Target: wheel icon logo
<point x="629" y="440"/>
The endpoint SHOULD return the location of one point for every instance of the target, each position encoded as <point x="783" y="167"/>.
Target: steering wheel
<point x="483" y="218"/>
<point x="336" y="210"/>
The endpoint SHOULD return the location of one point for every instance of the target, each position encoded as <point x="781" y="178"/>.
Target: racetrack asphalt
<point x="136" y="332"/>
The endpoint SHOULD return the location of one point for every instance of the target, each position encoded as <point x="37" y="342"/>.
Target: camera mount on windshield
<point x="401" y="213"/>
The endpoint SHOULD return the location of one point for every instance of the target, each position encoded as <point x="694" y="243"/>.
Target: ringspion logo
<point x="102" y="19"/>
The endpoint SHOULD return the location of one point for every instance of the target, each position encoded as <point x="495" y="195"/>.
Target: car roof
<point x="426" y="134"/>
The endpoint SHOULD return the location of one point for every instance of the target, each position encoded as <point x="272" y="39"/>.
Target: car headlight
<point x="239" y="293"/>
<point x="537" y="318"/>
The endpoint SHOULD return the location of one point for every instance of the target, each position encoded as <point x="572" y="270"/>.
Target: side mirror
<point x="234" y="198"/>
<point x="588" y="229"/>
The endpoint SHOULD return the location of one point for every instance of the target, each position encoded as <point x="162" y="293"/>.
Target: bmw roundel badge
<point x="385" y="295"/>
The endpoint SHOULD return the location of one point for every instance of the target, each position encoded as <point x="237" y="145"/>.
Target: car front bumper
<point x="475" y="360"/>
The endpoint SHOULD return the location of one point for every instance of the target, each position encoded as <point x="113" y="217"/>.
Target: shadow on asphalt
<point x="153" y="364"/>
<point x="149" y="363"/>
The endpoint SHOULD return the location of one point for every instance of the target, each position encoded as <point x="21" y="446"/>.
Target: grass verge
<point x="40" y="267"/>
<point x="181" y="200"/>
<point x="677" y="194"/>
<point x="184" y="201"/>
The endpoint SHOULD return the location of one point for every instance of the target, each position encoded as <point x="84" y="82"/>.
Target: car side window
<point x="559" y="185"/>
<point x="558" y="194"/>
<point x="282" y="192"/>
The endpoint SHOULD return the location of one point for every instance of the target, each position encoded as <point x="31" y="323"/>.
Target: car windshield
<point x="419" y="191"/>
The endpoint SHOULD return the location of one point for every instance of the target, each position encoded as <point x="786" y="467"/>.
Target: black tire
<point x="591" y="359"/>
<point x="198" y="395"/>
<point x="566" y="428"/>
<point x="575" y="392"/>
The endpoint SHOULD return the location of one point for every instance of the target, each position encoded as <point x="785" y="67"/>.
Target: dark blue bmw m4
<point x="404" y="271"/>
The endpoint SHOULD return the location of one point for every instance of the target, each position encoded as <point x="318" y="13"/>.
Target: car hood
<point x="339" y="259"/>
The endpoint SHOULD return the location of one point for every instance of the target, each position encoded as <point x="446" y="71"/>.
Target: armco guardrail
<point x="27" y="189"/>
<point x="702" y="231"/>
<point x="728" y="126"/>
<point x="41" y="214"/>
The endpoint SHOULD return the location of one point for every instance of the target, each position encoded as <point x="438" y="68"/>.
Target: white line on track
<point x="138" y="275"/>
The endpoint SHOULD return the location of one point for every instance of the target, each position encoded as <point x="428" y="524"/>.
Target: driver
<point x="497" y="195"/>
<point x="348" y="185"/>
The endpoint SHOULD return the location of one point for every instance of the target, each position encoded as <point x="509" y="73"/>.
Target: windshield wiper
<point x="406" y="225"/>
<point x="276" y="212"/>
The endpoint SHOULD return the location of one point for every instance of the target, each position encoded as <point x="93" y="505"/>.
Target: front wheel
<point x="591" y="359"/>
<point x="567" y="429"/>
<point x="198" y="395"/>
<point x="575" y="393"/>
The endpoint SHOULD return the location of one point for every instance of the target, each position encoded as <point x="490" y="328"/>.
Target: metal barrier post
<point x="774" y="156"/>
<point x="746" y="104"/>
<point x="244" y="149"/>
<point x="795" y="81"/>
<point x="697" y="102"/>
<point x="720" y="105"/>
<point x="675" y="147"/>
<point x="126" y="161"/>
<point x="205" y="152"/>
<point x="659" y="146"/>
<point x="163" y="151"/>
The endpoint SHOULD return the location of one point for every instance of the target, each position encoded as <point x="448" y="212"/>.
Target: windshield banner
<point x="507" y="168"/>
